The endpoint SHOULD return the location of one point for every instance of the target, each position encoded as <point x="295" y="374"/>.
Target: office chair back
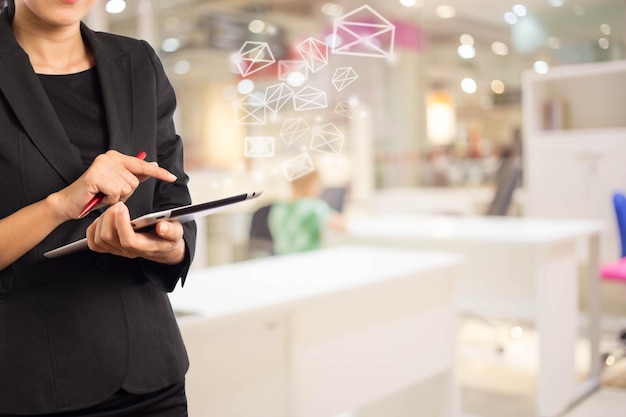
<point x="260" y="238"/>
<point x="335" y="197"/>
<point x="507" y="180"/>
<point x="619" y="204"/>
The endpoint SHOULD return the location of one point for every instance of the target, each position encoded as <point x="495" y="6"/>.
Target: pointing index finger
<point x="144" y="170"/>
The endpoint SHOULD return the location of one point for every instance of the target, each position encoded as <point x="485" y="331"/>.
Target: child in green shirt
<point x="297" y="225"/>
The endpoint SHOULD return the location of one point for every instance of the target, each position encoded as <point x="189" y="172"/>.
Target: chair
<point x="335" y="197"/>
<point x="619" y="203"/>
<point x="508" y="179"/>
<point x="616" y="271"/>
<point x="260" y="241"/>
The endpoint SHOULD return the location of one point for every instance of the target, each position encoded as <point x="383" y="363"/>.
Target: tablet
<point x="181" y="214"/>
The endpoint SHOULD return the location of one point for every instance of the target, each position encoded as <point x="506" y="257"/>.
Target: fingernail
<point x="165" y="227"/>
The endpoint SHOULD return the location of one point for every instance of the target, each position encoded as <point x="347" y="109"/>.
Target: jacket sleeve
<point x="169" y="195"/>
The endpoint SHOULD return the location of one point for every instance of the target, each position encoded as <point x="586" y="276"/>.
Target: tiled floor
<point x="500" y="382"/>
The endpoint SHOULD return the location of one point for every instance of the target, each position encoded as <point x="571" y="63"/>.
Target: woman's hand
<point x="113" y="233"/>
<point x="113" y="174"/>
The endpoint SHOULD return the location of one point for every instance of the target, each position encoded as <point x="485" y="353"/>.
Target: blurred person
<point x="92" y="333"/>
<point x="296" y="225"/>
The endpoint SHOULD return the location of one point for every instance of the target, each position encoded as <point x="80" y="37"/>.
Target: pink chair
<point x="614" y="271"/>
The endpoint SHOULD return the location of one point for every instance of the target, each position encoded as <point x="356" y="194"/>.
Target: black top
<point x="77" y="100"/>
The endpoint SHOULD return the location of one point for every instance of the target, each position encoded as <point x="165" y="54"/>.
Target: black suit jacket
<point x="74" y="330"/>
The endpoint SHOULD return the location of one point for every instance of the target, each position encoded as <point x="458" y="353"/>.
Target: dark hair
<point x="8" y="7"/>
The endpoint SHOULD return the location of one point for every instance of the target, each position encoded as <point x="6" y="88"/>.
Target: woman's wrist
<point x="54" y="205"/>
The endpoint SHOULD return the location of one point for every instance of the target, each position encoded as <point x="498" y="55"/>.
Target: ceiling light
<point x="520" y="10"/>
<point x="466" y="51"/>
<point x="500" y="48"/>
<point x="556" y="3"/>
<point x="445" y="12"/>
<point x="510" y="18"/>
<point x="497" y="86"/>
<point x="605" y="29"/>
<point x="604" y="43"/>
<point x="412" y="3"/>
<point x="332" y="9"/>
<point x="182" y="67"/>
<point x="245" y="86"/>
<point x="256" y="26"/>
<point x="170" y="45"/>
<point x="296" y="79"/>
<point x="468" y="85"/>
<point x="541" y="67"/>
<point x="115" y="6"/>
<point x="466" y="39"/>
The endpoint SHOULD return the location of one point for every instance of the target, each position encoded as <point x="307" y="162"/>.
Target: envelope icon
<point x="253" y="57"/>
<point x="250" y="110"/>
<point x="344" y="108"/>
<point x="314" y="53"/>
<point x="277" y="95"/>
<point x="290" y="68"/>
<point x="259" y="146"/>
<point x="327" y="139"/>
<point x="364" y="32"/>
<point x="309" y="98"/>
<point x="293" y="129"/>
<point x="298" y="166"/>
<point x="343" y="77"/>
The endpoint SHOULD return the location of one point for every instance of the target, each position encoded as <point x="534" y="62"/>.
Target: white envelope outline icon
<point x="250" y="110"/>
<point x="259" y="146"/>
<point x="309" y="98"/>
<point x="327" y="139"/>
<point x="373" y="36"/>
<point x="277" y="95"/>
<point x="293" y="129"/>
<point x="343" y="77"/>
<point x="314" y="53"/>
<point x="289" y="68"/>
<point x="253" y="57"/>
<point x="298" y="166"/>
<point x="344" y="108"/>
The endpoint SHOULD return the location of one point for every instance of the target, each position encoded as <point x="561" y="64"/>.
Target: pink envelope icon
<point x="364" y="32"/>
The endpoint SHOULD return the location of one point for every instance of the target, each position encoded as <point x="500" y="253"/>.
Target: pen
<point x="98" y="197"/>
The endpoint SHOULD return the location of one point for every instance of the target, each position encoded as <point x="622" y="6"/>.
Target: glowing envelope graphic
<point x="344" y="77"/>
<point x="364" y="32"/>
<point x="293" y="130"/>
<point x="327" y="139"/>
<point x="314" y="53"/>
<point x="309" y="98"/>
<point x="259" y="146"/>
<point x="250" y="110"/>
<point x="298" y="166"/>
<point x="277" y="95"/>
<point x="344" y="108"/>
<point x="253" y="57"/>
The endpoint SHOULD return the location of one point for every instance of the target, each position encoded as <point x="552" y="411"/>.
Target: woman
<point x="92" y="331"/>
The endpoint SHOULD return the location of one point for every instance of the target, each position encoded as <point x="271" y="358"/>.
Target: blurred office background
<point x="436" y="115"/>
<point x="470" y="85"/>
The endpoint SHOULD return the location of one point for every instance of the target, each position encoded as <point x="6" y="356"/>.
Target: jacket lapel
<point x="23" y="90"/>
<point x="116" y="81"/>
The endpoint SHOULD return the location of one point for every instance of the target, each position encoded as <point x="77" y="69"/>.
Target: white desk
<point x="319" y="333"/>
<point x="519" y="267"/>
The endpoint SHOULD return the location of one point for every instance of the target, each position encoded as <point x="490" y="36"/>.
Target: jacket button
<point x="102" y="263"/>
